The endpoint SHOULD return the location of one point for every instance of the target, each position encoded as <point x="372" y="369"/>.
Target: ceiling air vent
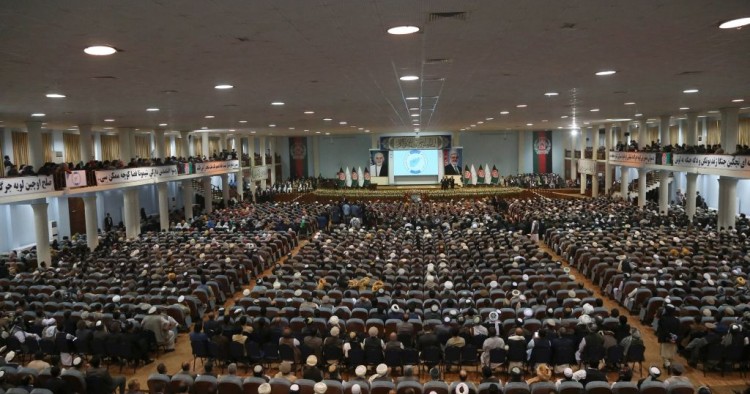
<point x="433" y="79"/>
<point x="438" y="61"/>
<point x="456" y="15"/>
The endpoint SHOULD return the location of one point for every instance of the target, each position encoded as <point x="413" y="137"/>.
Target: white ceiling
<point x="335" y="58"/>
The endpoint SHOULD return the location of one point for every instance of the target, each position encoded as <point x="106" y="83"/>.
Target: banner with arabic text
<point x="26" y="185"/>
<point x="719" y="162"/>
<point x="217" y="167"/>
<point x="126" y="175"/>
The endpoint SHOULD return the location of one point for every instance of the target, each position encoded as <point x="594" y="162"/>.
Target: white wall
<point x="342" y="151"/>
<point x="494" y="148"/>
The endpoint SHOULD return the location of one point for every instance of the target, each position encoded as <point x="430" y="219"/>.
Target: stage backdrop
<point x="298" y="157"/>
<point x="542" y="145"/>
<point x="452" y="161"/>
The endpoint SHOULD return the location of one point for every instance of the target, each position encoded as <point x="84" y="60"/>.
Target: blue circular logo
<point x="415" y="162"/>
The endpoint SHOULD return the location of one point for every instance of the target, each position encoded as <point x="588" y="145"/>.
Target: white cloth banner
<point x="634" y="158"/>
<point x="75" y="179"/>
<point x="259" y="173"/>
<point x="126" y="175"/>
<point x="721" y="162"/>
<point x="26" y="185"/>
<point x="217" y="167"/>
<point x="587" y="166"/>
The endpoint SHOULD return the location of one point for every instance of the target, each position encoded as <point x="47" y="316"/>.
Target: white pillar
<point x="316" y="156"/>
<point x="642" y="131"/>
<point x="126" y="149"/>
<point x="208" y="195"/>
<point x="608" y="137"/>
<point x="642" y="187"/>
<point x="624" y="182"/>
<point x="727" y="202"/>
<point x="225" y="189"/>
<point x="84" y="131"/>
<point x="262" y="151"/>
<point x="690" y="193"/>
<point x="691" y="137"/>
<point x="185" y="141"/>
<point x="663" y="192"/>
<point x="595" y="152"/>
<point x="173" y="145"/>
<point x="204" y="145"/>
<point x="187" y="197"/>
<point x="159" y="145"/>
<point x="272" y="150"/>
<point x="664" y="136"/>
<point x="90" y="211"/>
<point x="582" y="147"/>
<point x="240" y="175"/>
<point x="41" y="231"/>
<point x="729" y="129"/>
<point x="36" y="149"/>
<point x="132" y="215"/>
<point x="572" y="155"/>
<point x="251" y="155"/>
<point x="163" y="196"/>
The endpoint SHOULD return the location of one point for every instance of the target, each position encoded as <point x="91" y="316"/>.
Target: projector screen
<point x="416" y="162"/>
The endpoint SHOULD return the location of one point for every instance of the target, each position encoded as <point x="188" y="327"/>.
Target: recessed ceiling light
<point x="690" y="91"/>
<point x="272" y="125"/>
<point x="619" y="120"/>
<point x="327" y="119"/>
<point x="277" y="103"/>
<point x="342" y="123"/>
<point x="606" y="72"/>
<point x="594" y="110"/>
<point x="416" y="123"/>
<point x="551" y="94"/>
<point x="307" y="130"/>
<point x="529" y="124"/>
<point x="37" y="114"/>
<point x="409" y="78"/>
<point x="361" y="128"/>
<point x="504" y="112"/>
<point x="735" y="23"/>
<point x="564" y="117"/>
<point x="463" y="129"/>
<point x="473" y="125"/>
<point x="55" y="95"/>
<point x="414" y="115"/>
<point x="309" y="112"/>
<point x="223" y="86"/>
<point x="745" y="108"/>
<point x="412" y="98"/>
<point x="684" y="108"/>
<point x="480" y="122"/>
<point x="152" y="109"/>
<point x="713" y="111"/>
<point x="488" y="118"/>
<point x="162" y="124"/>
<point x="738" y="100"/>
<point x="317" y="132"/>
<point x="107" y="128"/>
<point x="204" y="128"/>
<point x="99" y="50"/>
<point x="630" y="103"/>
<point x="72" y="129"/>
<point x="243" y="121"/>
<point x="291" y="128"/>
<point x="638" y="115"/>
<point x="401" y="30"/>
<point x="327" y="133"/>
<point x="367" y="130"/>
<point x="109" y="120"/>
<point x="521" y="106"/>
<point x="586" y="122"/>
<point x="209" y="116"/>
<point x="252" y="131"/>
<point x="413" y="109"/>
<point x="559" y="127"/>
<point x="545" y="120"/>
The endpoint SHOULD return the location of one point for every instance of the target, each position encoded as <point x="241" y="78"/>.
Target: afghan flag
<point x="298" y="157"/>
<point x="480" y="175"/>
<point x="495" y="175"/>
<point x="341" y="177"/>
<point x="355" y="177"/>
<point x="467" y="175"/>
<point x="366" y="177"/>
<point x="542" y="145"/>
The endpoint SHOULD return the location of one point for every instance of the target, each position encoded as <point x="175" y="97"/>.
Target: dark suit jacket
<point x="450" y="171"/>
<point x="99" y="381"/>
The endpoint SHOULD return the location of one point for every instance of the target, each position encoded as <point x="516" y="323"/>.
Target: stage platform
<point x="423" y="192"/>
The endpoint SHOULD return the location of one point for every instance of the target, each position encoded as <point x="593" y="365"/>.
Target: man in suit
<point x="379" y="166"/>
<point x="453" y="167"/>
<point x="99" y="381"/>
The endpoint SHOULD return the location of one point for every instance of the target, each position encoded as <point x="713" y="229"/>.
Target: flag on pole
<point x="342" y="178"/>
<point x="473" y="175"/>
<point x="366" y="178"/>
<point x="355" y="177"/>
<point x="467" y="175"/>
<point x="360" y="176"/>
<point x="495" y="175"/>
<point x="348" y="179"/>
<point x="487" y="178"/>
<point x="480" y="175"/>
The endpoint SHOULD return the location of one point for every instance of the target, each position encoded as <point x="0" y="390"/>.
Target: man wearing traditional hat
<point x="668" y="334"/>
<point x="161" y="327"/>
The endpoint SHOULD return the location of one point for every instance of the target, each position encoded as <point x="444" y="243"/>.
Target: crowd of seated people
<point x="439" y="283"/>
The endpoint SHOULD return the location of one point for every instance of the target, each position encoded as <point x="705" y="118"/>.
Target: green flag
<point x="366" y="175"/>
<point x="467" y="175"/>
<point x="495" y="174"/>
<point x="480" y="175"/>
<point x="341" y="177"/>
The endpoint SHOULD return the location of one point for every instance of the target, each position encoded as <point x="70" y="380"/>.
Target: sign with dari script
<point x="126" y="175"/>
<point x="422" y="142"/>
<point x="632" y="158"/>
<point x="587" y="166"/>
<point x="259" y="173"/>
<point x="217" y="167"/>
<point x="26" y="185"/>
<point x="719" y="162"/>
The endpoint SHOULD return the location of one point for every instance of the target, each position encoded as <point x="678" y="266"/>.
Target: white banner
<point x="134" y="174"/>
<point x="587" y="166"/>
<point x="721" y="162"/>
<point x="259" y="173"/>
<point x="633" y="158"/>
<point x="26" y="185"/>
<point x="75" y="179"/>
<point x="214" y="167"/>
